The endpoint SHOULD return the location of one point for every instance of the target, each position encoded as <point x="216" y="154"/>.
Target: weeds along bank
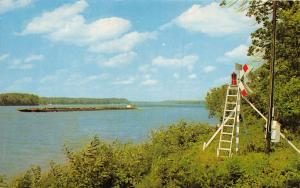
<point x="172" y="157"/>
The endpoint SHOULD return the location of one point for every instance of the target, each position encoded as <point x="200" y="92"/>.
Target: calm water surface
<point x="37" y="138"/>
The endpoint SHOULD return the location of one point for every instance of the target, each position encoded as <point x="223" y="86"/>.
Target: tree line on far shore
<point x="14" y="99"/>
<point x="19" y="99"/>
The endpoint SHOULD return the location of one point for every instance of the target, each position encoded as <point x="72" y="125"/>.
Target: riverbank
<point x="172" y="157"/>
<point x="71" y="109"/>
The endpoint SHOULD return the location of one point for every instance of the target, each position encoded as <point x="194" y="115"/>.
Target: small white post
<point x="281" y="134"/>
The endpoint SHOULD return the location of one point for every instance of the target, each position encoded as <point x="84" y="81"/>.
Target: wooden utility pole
<point x="271" y="91"/>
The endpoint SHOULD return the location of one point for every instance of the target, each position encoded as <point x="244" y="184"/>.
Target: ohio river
<point x="37" y="138"/>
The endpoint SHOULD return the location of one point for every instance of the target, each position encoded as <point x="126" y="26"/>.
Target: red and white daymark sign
<point x="246" y="69"/>
<point x="243" y="89"/>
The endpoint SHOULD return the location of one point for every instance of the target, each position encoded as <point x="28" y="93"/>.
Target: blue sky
<point x="141" y="50"/>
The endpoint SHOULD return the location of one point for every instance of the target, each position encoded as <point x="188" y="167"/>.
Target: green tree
<point x="287" y="68"/>
<point x="215" y="101"/>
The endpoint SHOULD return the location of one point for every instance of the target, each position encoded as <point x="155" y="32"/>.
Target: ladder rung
<point x="228" y="125"/>
<point x="227" y="149"/>
<point x="227" y="133"/>
<point x="230" y="118"/>
<point x="232" y="95"/>
<point x="231" y="102"/>
<point x="229" y="141"/>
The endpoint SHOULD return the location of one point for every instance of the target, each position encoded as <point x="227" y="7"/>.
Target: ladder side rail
<point x="233" y="112"/>
<point x="232" y="130"/>
<point x="238" y="110"/>
<point x="226" y="99"/>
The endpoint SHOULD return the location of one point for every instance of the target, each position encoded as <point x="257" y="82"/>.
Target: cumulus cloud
<point x="9" y="5"/>
<point x="74" y="79"/>
<point x="186" y="61"/>
<point x="127" y="81"/>
<point x="238" y="53"/>
<point x="19" y="64"/>
<point x="123" y="44"/>
<point x="192" y="76"/>
<point x="65" y="23"/>
<point x="25" y="63"/>
<point x="149" y="82"/>
<point x="213" y="20"/>
<point x="120" y="59"/>
<point x="147" y="68"/>
<point x="209" y="68"/>
<point x="34" y="57"/>
<point x="4" y="56"/>
<point x="105" y="35"/>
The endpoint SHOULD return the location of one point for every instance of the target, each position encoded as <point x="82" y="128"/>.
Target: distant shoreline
<point x="72" y="109"/>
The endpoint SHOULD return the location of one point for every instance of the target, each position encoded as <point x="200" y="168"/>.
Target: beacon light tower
<point x="230" y="125"/>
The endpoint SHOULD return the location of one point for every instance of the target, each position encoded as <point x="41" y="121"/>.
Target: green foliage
<point x="11" y="99"/>
<point x="215" y="100"/>
<point x="287" y="68"/>
<point x="172" y="157"/>
<point x="29" y="179"/>
<point x="19" y="99"/>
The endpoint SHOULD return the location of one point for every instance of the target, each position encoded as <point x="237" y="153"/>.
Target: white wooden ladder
<point x="229" y="122"/>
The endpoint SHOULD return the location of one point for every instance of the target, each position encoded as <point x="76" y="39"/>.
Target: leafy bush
<point x="172" y="157"/>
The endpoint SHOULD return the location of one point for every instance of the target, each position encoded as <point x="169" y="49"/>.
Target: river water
<point x="37" y="138"/>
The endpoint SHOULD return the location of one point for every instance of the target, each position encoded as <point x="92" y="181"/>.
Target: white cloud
<point x="123" y="44"/>
<point x="186" y="61"/>
<point x="72" y="78"/>
<point x="149" y="82"/>
<point x="192" y="76"/>
<point x="128" y="81"/>
<point x="34" y="57"/>
<point x="4" y="56"/>
<point x="209" y="68"/>
<point x="236" y="54"/>
<point x="25" y="63"/>
<point x="19" y="64"/>
<point x="213" y="20"/>
<point x="147" y="68"/>
<point x="97" y="77"/>
<point x="66" y="24"/>
<point x="120" y="59"/>
<point x="8" y="5"/>
<point x="77" y="79"/>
